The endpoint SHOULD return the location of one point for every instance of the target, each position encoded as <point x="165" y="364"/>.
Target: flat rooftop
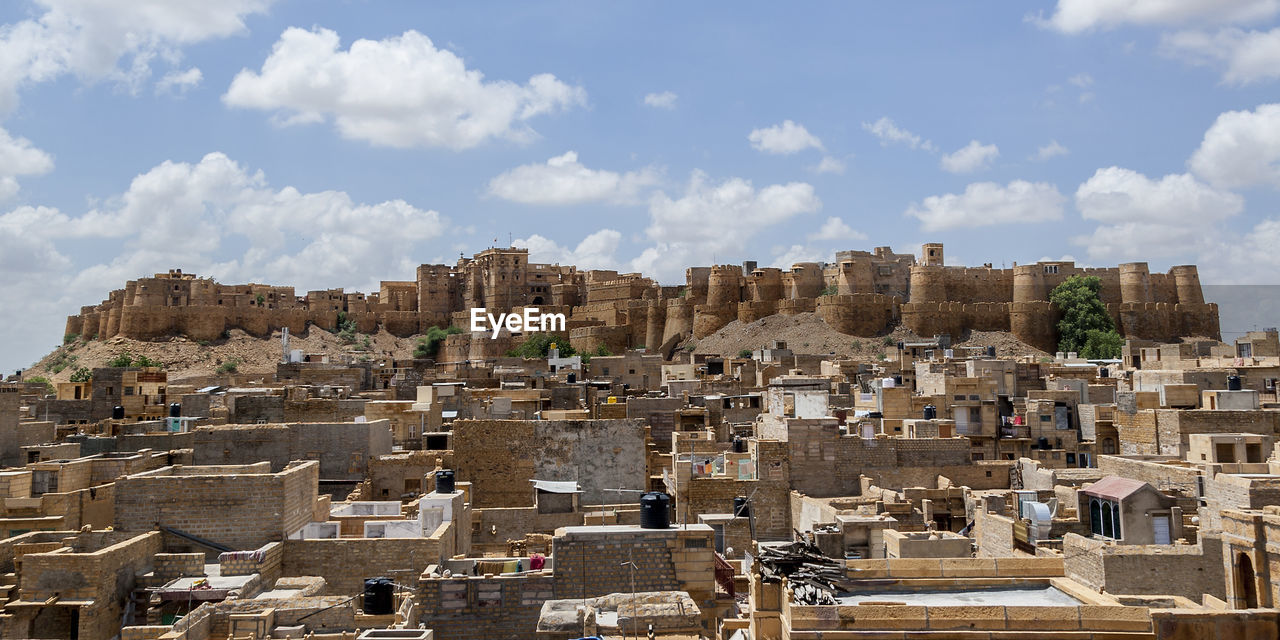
<point x="1041" y="596"/>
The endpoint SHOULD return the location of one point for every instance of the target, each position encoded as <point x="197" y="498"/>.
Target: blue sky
<point x="251" y="140"/>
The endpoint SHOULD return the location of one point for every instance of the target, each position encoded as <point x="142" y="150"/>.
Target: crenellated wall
<point x="862" y="314"/>
<point x="708" y="318"/>
<point x="588" y="339"/>
<point x="756" y="310"/>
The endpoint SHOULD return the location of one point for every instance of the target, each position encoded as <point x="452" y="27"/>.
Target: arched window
<point x="1108" y="445"/>
<point x="1095" y="516"/>
<point x="1115" y="519"/>
<point x="1107" y="528"/>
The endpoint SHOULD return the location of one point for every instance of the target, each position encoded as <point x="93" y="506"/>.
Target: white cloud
<point x="830" y="164"/>
<point x="213" y="217"/>
<point x="1078" y="16"/>
<point x="110" y="39"/>
<point x="1116" y="195"/>
<point x="180" y="81"/>
<point x="397" y="92"/>
<point x="727" y="215"/>
<point x="988" y="203"/>
<point x="1081" y="80"/>
<point x="18" y="157"/>
<point x="563" y="180"/>
<point x="836" y="229"/>
<point x="974" y="156"/>
<point x="1241" y="149"/>
<point x="1051" y="150"/>
<point x="1144" y="218"/>
<point x="664" y="100"/>
<point x="785" y="139"/>
<point x="786" y="257"/>
<point x="1244" y="57"/>
<point x="890" y="133"/>
<point x="596" y="251"/>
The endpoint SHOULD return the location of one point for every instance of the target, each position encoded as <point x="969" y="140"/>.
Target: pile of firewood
<point x="813" y="578"/>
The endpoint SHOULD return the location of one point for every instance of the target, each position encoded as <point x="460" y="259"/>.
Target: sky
<point x="342" y="143"/>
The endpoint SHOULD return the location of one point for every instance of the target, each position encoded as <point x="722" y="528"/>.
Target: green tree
<point x="1085" y="327"/>
<point x="538" y="344"/>
<point x="230" y="366"/>
<point x="261" y="300"/>
<point x="744" y="353"/>
<point x="48" y="386"/>
<point x="70" y="337"/>
<point x="603" y="350"/>
<point x="143" y="361"/>
<point x="123" y="359"/>
<point x="81" y="374"/>
<point x="428" y="346"/>
<point x="830" y="290"/>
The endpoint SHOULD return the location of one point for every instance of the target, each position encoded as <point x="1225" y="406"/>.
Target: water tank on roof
<point x="444" y="481"/>
<point x="1044" y="443"/>
<point x="117" y="412"/>
<point x="991" y="352"/>
<point x="573" y="377"/>
<point x="930" y="412"/>
<point x="1233" y="383"/>
<point x="175" y="410"/>
<point x="655" y="510"/>
<point x="897" y="381"/>
<point x="1104" y="372"/>
<point x="739" y="445"/>
<point x="379" y="597"/>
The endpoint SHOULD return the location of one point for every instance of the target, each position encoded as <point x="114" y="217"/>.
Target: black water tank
<point x="991" y="352"/>
<point x="1233" y="383"/>
<point x="930" y="412"/>
<point x="444" y="481"/>
<point x="739" y="445"/>
<point x="379" y="597"/>
<point x="1044" y="443"/>
<point x="897" y="381"/>
<point x="901" y="345"/>
<point x="175" y="410"/>
<point x="573" y="377"/>
<point x="875" y="414"/>
<point x="655" y="510"/>
<point x="1104" y="373"/>
<point x="117" y="413"/>
<point x="740" y="507"/>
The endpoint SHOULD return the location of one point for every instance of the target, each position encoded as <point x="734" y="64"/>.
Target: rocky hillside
<point x="804" y="333"/>
<point x="184" y="358"/>
<point x="807" y="333"/>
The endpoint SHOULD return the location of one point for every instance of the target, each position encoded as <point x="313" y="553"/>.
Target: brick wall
<point x="1168" y="478"/>
<point x="501" y="456"/>
<point x="824" y="463"/>
<point x="239" y="510"/>
<point x="346" y="563"/>
<point x="593" y="561"/>
<point x="343" y="448"/>
<point x="1181" y="570"/>
<point x="480" y="608"/>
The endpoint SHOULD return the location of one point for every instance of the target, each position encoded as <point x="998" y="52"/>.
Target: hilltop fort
<point x="860" y="294"/>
